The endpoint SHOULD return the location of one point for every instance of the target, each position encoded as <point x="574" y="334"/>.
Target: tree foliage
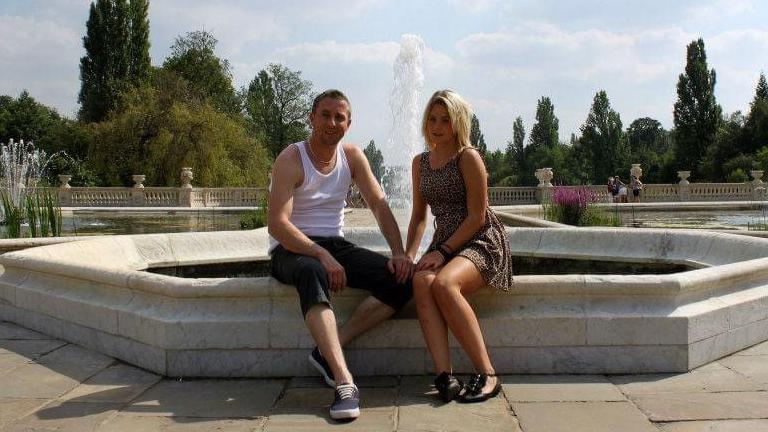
<point x="116" y="55"/>
<point x="696" y="112"/>
<point x="375" y="160"/>
<point x="603" y="140"/>
<point x="476" y="137"/>
<point x="545" y="132"/>
<point x="277" y="103"/>
<point x="160" y="129"/>
<point x="193" y="57"/>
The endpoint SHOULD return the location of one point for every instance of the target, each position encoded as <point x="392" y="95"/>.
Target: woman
<point x="469" y="249"/>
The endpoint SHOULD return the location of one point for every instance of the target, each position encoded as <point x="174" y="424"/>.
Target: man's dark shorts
<point x="364" y="268"/>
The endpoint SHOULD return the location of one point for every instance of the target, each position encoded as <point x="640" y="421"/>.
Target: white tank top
<point x="318" y="203"/>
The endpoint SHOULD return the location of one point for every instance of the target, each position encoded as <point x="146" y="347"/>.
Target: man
<point x="310" y="181"/>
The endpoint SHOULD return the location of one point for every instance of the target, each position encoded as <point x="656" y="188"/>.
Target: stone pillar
<point x="544" y="191"/>
<point x="683" y="187"/>
<point x="185" y="193"/>
<point x="758" y="187"/>
<point x="65" y="191"/>
<point x="138" y="197"/>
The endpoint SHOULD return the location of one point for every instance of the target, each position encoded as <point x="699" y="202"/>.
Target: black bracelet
<point x="443" y="253"/>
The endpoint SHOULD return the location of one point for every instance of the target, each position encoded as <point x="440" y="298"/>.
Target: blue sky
<point x="501" y="55"/>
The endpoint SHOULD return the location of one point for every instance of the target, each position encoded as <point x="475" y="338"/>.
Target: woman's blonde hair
<point x="458" y="110"/>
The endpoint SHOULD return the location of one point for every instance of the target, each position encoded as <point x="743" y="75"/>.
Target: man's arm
<point x="287" y="174"/>
<point x="374" y="196"/>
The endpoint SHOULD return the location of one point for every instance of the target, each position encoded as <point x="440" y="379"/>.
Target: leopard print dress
<point x="443" y="189"/>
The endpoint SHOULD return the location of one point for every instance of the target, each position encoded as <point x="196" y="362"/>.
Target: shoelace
<point x="346" y="391"/>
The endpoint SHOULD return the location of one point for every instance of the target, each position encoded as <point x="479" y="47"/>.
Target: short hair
<point x="333" y="94"/>
<point x="458" y="110"/>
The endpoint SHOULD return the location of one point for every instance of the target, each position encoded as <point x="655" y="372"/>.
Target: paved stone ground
<point x="50" y="385"/>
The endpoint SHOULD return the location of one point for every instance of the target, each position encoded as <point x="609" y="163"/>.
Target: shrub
<point x="576" y="206"/>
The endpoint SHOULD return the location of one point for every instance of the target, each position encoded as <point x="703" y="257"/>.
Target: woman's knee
<point x="444" y="288"/>
<point x="422" y="284"/>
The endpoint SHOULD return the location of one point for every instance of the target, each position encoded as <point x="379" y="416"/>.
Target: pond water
<point x="712" y="219"/>
<point x="521" y="265"/>
<point x="85" y="222"/>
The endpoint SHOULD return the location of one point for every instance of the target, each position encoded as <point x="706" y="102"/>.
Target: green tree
<point x="376" y="160"/>
<point x="602" y="138"/>
<point x="756" y="126"/>
<point x="545" y="132"/>
<point x="514" y="156"/>
<point x="696" y="112"/>
<point x="105" y="66"/>
<point x="277" y="105"/>
<point x="140" y="63"/>
<point x="476" y="136"/>
<point x="715" y="164"/>
<point x="648" y="143"/>
<point x="193" y="57"/>
<point x="160" y="129"/>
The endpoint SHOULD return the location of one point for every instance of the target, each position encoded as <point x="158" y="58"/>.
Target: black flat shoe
<point x="448" y="386"/>
<point x="474" y="390"/>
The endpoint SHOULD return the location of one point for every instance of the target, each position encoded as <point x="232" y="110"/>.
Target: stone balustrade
<point x="189" y="196"/>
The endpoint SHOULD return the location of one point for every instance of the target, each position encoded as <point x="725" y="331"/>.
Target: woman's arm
<point x="418" y="213"/>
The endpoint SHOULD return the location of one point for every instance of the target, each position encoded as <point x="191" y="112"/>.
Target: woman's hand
<point x="430" y="261"/>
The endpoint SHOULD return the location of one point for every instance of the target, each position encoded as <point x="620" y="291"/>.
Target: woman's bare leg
<point x="457" y="279"/>
<point x="432" y="323"/>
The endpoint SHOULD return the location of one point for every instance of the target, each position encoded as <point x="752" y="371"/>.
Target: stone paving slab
<point x="420" y="409"/>
<point x="753" y="366"/>
<point x="306" y="409"/>
<point x="118" y="383"/>
<point x="242" y="398"/>
<point x="29" y="348"/>
<point x="581" y="417"/>
<point x="15" y="332"/>
<point x="759" y="349"/>
<point x="65" y="417"/>
<point x="713" y="377"/>
<point x="560" y="388"/>
<point x="14" y="409"/>
<point x="665" y="407"/>
<point x="76" y="356"/>
<point x="10" y="361"/>
<point x="38" y="381"/>
<point x="130" y="423"/>
<point x="717" y="426"/>
<point x="361" y="382"/>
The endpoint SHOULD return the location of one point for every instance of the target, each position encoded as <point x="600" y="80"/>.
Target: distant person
<point x="310" y="180"/>
<point x="636" y="185"/>
<point x="469" y="248"/>
<point x="621" y="189"/>
<point x="611" y="186"/>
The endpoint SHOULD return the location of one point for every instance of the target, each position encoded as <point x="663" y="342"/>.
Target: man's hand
<point x="337" y="277"/>
<point x="402" y="267"/>
<point x="430" y="261"/>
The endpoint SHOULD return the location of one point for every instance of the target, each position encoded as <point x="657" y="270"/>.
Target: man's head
<point x="331" y="116"/>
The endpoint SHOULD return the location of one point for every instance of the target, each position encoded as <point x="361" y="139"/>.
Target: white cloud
<point x="41" y="56"/>
<point x="335" y="52"/>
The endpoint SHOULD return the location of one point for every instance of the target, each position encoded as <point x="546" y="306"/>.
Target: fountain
<point x="143" y="299"/>
<point x="404" y="140"/>
<point x="21" y="166"/>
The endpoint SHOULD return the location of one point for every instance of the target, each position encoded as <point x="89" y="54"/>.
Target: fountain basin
<point x="96" y="293"/>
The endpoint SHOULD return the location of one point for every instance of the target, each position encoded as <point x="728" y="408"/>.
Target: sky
<point x="502" y="56"/>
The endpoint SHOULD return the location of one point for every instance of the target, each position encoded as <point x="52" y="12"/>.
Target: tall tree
<point x="476" y="136"/>
<point x="545" y="132"/>
<point x="756" y="127"/>
<point x="375" y="160"/>
<point x="193" y="57"/>
<point x="696" y="113"/>
<point x="107" y="67"/>
<point x="603" y="139"/>
<point x="140" y="62"/>
<point x="277" y="105"/>
<point x="518" y="140"/>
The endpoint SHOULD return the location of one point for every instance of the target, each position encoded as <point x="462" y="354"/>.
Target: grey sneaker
<point x="346" y="404"/>
<point x="318" y="361"/>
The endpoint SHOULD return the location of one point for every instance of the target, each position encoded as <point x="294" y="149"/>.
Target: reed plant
<point x="13" y="216"/>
